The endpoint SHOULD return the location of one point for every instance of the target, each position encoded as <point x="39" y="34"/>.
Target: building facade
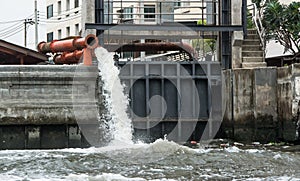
<point x="157" y="12"/>
<point x="63" y="18"/>
<point x="70" y="17"/>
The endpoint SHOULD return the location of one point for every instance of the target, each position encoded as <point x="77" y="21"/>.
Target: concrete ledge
<point x="237" y="38"/>
<point x="46" y="94"/>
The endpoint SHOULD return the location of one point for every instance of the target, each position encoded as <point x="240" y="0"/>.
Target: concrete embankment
<point x="41" y="106"/>
<point x="37" y="105"/>
<point x="265" y="103"/>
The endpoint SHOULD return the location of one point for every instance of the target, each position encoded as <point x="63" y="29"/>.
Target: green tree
<point x="205" y="46"/>
<point x="282" y="23"/>
<point x="259" y="3"/>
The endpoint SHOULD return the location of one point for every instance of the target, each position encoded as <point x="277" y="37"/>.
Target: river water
<point x="161" y="160"/>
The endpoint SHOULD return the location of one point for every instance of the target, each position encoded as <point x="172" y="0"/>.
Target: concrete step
<point x="253" y="59"/>
<point x="252" y="37"/>
<point x="251" y="42"/>
<point x="254" y="64"/>
<point x="252" y="53"/>
<point x="251" y="48"/>
<point x="251" y="31"/>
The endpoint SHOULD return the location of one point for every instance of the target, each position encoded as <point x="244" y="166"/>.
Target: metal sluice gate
<point x="181" y="98"/>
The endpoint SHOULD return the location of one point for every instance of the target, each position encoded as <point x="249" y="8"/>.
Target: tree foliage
<point x="282" y="23"/>
<point x="205" y="46"/>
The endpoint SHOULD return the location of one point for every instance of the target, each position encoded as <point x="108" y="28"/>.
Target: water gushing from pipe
<point x="116" y="101"/>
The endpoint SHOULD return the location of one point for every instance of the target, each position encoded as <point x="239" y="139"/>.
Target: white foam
<point x="116" y="101"/>
<point x="104" y="177"/>
<point x="255" y="151"/>
<point x="277" y="156"/>
<point x="7" y="177"/>
<point x="280" y="178"/>
<point x="233" y="149"/>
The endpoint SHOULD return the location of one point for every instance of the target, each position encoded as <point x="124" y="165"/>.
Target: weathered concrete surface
<point x="87" y="16"/>
<point x="289" y="97"/>
<point x="43" y="94"/>
<point x="237" y="37"/>
<point x="265" y="103"/>
<point x="228" y="122"/>
<point x="40" y="106"/>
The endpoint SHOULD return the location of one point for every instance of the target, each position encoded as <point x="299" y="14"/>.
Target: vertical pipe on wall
<point x="244" y="17"/>
<point x="225" y="36"/>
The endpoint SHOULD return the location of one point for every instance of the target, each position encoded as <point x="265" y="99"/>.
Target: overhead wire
<point x="42" y="20"/>
<point x="13" y="33"/>
<point x="13" y="21"/>
<point x="13" y="29"/>
<point x="16" y="21"/>
<point x="62" y="13"/>
<point x="7" y="28"/>
<point x="14" y="26"/>
<point x="71" y="9"/>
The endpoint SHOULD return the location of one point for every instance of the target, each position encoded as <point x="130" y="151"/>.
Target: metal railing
<point x="157" y="12"/>
<point x="256" y="18"/>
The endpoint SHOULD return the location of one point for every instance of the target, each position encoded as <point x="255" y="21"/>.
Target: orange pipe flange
<point x="69" y="45"/>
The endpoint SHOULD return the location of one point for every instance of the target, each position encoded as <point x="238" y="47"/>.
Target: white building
<point x="63" y="18"/>
<point x="157" y="11"/>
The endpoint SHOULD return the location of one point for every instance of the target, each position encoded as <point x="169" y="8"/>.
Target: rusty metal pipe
<point x="68" y="45"/>
<point x="160" y="46"/>
<point x="68" y="58"/>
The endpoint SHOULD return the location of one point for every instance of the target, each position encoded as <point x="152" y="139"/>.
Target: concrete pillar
<point x="164" y="9"/>
<point x="237" y="41"/>
<point x="87" y="16"/>
<point x="236" y="19"/>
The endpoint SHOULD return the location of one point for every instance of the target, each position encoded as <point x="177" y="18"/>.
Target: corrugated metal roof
<point x="15" y="54"/>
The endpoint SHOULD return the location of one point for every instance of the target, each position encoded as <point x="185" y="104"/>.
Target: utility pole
<point x="26" y="21"/>
<point x="36" y="23"/>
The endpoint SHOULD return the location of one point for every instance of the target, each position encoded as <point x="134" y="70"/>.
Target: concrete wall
<point x="288" y="98"/>
<point x="38" y="104"/>
<point x="265" y="103"/>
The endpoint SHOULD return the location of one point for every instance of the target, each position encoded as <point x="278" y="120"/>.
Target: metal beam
<point x="162" y="27"/>
<point x="133" y="35"/>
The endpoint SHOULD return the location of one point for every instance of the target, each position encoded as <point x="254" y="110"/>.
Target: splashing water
<point x="116" y="100"/>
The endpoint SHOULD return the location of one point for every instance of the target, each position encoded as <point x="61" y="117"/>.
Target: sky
<point x="13" y="10"/>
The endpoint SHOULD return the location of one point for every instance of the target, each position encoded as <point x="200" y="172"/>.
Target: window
<point x="177" y="4"/>
<point x="50" y="11"/>
<point x="68" y="5"/>
<point x="128" y="13"/>
<point x="49" y="37"/>
<point x="77" y="29"/>
<point x="149" y="11"/>
<point x="68" y="31"/>
<point x="59" y="34"/>
<point x="59" y="7"/>
<point x="76" y="4"/>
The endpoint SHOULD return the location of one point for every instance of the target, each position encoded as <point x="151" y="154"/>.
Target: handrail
<point x="256" y="18"/>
